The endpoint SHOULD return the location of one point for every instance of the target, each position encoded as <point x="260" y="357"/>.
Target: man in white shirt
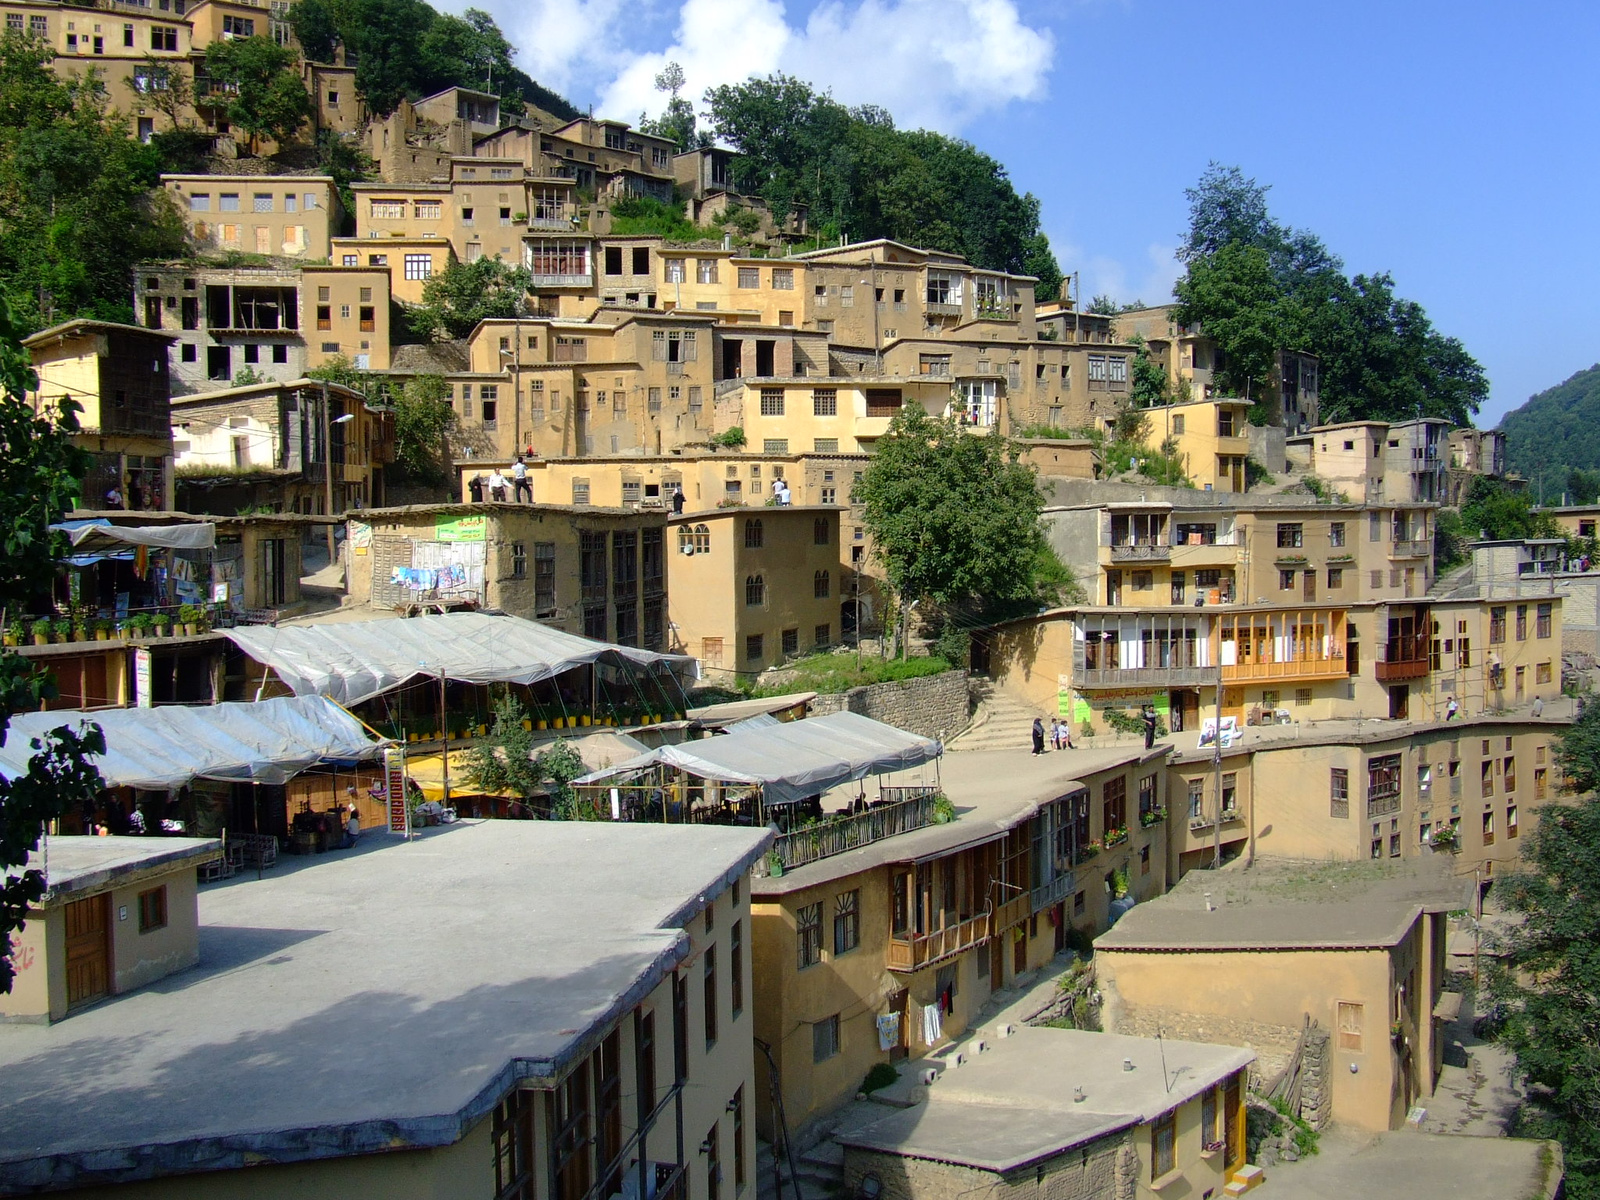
<point x="519" y="477"/>
<point x="497" y="486"/>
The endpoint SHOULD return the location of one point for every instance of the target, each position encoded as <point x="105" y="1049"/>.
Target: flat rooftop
<point x="76" y="865"/>
<point x="1289" y="905"/>
<point x="1014" y="1104"/>
<point x="993" y="791"/>
<point x="378" y="999"/>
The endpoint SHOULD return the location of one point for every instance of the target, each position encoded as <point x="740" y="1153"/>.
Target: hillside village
<point x="479" y="812"/>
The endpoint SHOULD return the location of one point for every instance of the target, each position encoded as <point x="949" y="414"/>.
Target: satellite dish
<point x="688" y="549"/>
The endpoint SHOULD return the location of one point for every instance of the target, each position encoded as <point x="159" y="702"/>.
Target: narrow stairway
<point x="1002" y="721"/>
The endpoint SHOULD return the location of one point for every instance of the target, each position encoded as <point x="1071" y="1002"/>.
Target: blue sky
<point x="1451" y="144"/>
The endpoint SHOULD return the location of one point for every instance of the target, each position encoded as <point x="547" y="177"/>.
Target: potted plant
<point x="100" y="628"/>
<point x="189" y="618"/>
<point x="139" y="626"/>
<point x="15" y="632"/>
<point x="41" y="631"/>
<point x="161" y="624"/>
<point x="61" y="629"/>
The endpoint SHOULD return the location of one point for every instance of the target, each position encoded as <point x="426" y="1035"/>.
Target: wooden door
<point x="1233" y="1123"/>
<point x="1019" y="951"/>
<point x="88" y="950"/>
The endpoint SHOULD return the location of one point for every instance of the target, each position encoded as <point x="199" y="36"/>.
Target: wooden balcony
<point x="1137" y="552"/>
<point x="914" y="953"/>
<point x="1305" y="668"/>
<point x="914" y="810"/>
<point x="1397" y="661"/>
<point x="1138" y="677"/>
<point x="1417" y="548"/>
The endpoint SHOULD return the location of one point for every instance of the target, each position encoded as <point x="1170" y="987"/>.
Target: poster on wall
<point x="460" y="529"/>
<point x="1083" y="705"/>
<point x="1208" y="732"/>
<point x="360" y="535"/>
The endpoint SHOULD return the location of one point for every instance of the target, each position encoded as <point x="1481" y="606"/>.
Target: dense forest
<point x="1258" y="286"/>
<point x="1554" y="439"/>
<point x="862" y="178"/>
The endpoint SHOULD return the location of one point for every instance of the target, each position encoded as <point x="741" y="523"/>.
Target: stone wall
<point x="1107" y="1169"/>
<point x="1273" y="1044"/>
<point x="932" y="705"/>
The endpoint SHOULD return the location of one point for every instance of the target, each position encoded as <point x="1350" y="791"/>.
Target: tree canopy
<point x="464" y="293"/>
<point x="262" y="92"/>
<point x="953" y="515"/>
<point x="1257" y="286"/>
<point x="40" y="474"/>
<point x="678" y="121"/>
<point x="77" y="208"/>
<point x="406" y="50"/>
<point x="1546" y="976"/>
<point x="422" y="416"/>
<point x="1556" y="432"/>
<point x="861" y="177"/>
<point x="1494" y="509"/>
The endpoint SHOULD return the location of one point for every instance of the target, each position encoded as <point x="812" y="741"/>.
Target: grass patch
<point x="831" y="672"/>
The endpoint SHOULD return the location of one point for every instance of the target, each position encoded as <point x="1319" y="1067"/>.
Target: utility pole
<point x="327" y="467"/>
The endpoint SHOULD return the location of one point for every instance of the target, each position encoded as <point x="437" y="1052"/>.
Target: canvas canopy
<point x="355" y="661"/>
<point x="795" y="760"/>
<point x="163" y="748"/>
<point x="99" y="534"/>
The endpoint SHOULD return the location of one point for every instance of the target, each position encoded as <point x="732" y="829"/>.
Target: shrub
<point x="881" y="1076"/>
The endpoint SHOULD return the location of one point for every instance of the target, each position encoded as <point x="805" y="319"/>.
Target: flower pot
<point x="102" y="635"/>
<point x="584" y="720"/>
<point x="190" y="629"/>
<point x="9" y="640"/>
<point x="541" y="724"/>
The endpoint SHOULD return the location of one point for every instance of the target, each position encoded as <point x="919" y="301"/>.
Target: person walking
<point x="519" y="477"/>
<point x="1451" y="708"/>
<point x="1038" y="735"/>
<point x="1149" y="715"/>
<point x="677" y="501"/>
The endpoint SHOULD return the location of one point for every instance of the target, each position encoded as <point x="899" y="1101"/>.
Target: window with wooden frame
<point x="1338" y="792"/>
<point x="645" y="1064"/>
<point x="808" y="935"/>
<point x="512" y="1133"/>
<point x="846" y="921"/>
<point x="736" y="970"/>
<point x="738" y="1137"/>
<point x="709" y="978"/>
<point x="1114" y="805"/>
<point x="153" y="909"/>
<point x="1163" y="1145"/>
<point x="1208" y="1119"/>
<point x="1351" y="1017"/>
<point x="569" y="1139"/>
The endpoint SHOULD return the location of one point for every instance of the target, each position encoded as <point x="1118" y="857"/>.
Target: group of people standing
<point x="1060" y="735"/>
<point x="496" y="484"/>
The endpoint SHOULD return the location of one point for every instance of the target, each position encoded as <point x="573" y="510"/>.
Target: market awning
<point x="160" y="748"/>
<point x="354" y="661"/>
<point x="98" y="534"/>
<point x="793" y="760"/>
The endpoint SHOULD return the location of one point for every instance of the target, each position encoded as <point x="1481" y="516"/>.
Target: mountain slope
<point x="1556" y="430"/>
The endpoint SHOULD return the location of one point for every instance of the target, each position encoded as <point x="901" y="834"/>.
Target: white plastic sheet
<point x="354" y="661"/>
<point x="171" y="746"/>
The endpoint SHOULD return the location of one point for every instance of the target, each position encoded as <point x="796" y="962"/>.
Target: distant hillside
<point x="1556" y="431"/>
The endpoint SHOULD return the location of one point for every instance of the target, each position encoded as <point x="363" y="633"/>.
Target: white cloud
<point x="564" y="44"/>
<point x="1149" y="279"/>
<point x="932" y="63"/>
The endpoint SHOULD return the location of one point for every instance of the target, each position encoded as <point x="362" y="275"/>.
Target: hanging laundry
<point x="888" y="1030"/>
<point x="932" y="1024"/>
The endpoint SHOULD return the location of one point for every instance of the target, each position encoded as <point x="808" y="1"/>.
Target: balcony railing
<point x="913" y="808"/>
<point x="1403" y="659"/>
<point x="1057" y="890"/>
<point x="1141" y="552"/>
<point x="563" y="281"/>
<point x="1412" y="548"/>
<point x="1229" y="816"/>
<point x="943" y="310"/>
<point x="1133" y="677"/>
<point x="1306" y="668"/>
<point x="913" y="953"/>
<point x="555" y="223"/>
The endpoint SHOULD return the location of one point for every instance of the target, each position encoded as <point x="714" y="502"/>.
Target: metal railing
<point x="1141" y="552"/>
<point x="912" y="808"/>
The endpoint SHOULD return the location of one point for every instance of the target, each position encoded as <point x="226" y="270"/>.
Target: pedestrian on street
<point x="1038" y="735"/>
<point x="1149" y="727"/>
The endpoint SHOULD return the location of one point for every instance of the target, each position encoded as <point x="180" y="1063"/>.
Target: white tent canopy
<point x="169" y="747"/>
<point x="794" y="760"/>
<point x="98" y="533"/>
<point x="354" y="661"/>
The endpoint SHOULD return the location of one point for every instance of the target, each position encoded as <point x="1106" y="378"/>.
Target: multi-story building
<point x="1473" y="452"/>
<point x="289" y="215"/>
<point x="313" y="447"/>
<point x="118" y="376"/>
<point x="753" y="588"/>
<point x="837" y="414"/>
<point x="592" y="1049"/>
<point x="1208" y="437"/>
<point x="850" y="948"/>
<point x="607" y="158"/>
<point x="276" y="322"/>
<point x="1378" y="461"/>
<point x="600" y="572"/>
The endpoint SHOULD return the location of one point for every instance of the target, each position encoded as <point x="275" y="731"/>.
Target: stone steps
<point x="1001" y="722"/>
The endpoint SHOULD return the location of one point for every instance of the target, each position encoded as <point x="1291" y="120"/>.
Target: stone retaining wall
<point x="932" y="705"/>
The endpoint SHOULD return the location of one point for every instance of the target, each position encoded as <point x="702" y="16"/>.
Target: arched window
<point x="820" y="585"/>
<point x="685" y="539"/>
<point x="755" y="591"/>
<point x="753" y="534"/>
<point x="819" y="532"/>
<point x="702" y="539"/>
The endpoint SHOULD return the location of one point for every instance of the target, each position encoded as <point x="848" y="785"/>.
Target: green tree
<point x="78" y="195"/>
<point x="464" y="293"/>
<point x="1546" y="970"/>
<point x="341" y="158"/>
<point x="1256" y="286"/>
<point x="341" y="370"/>
<point x="422" y="417"/>
<point x="164" y="85"/>
<point x="316" y="28"/>
<point x="678" y="121"/>
<point x="506" y="762"/>
<point x="953" y="515"/>
<point x="1148" y="380"/>
<point x="1554" y="431"/>
<point x="1495" y="510"/>
<point x="40" y="473"/>
<point x="261" y="90"/>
